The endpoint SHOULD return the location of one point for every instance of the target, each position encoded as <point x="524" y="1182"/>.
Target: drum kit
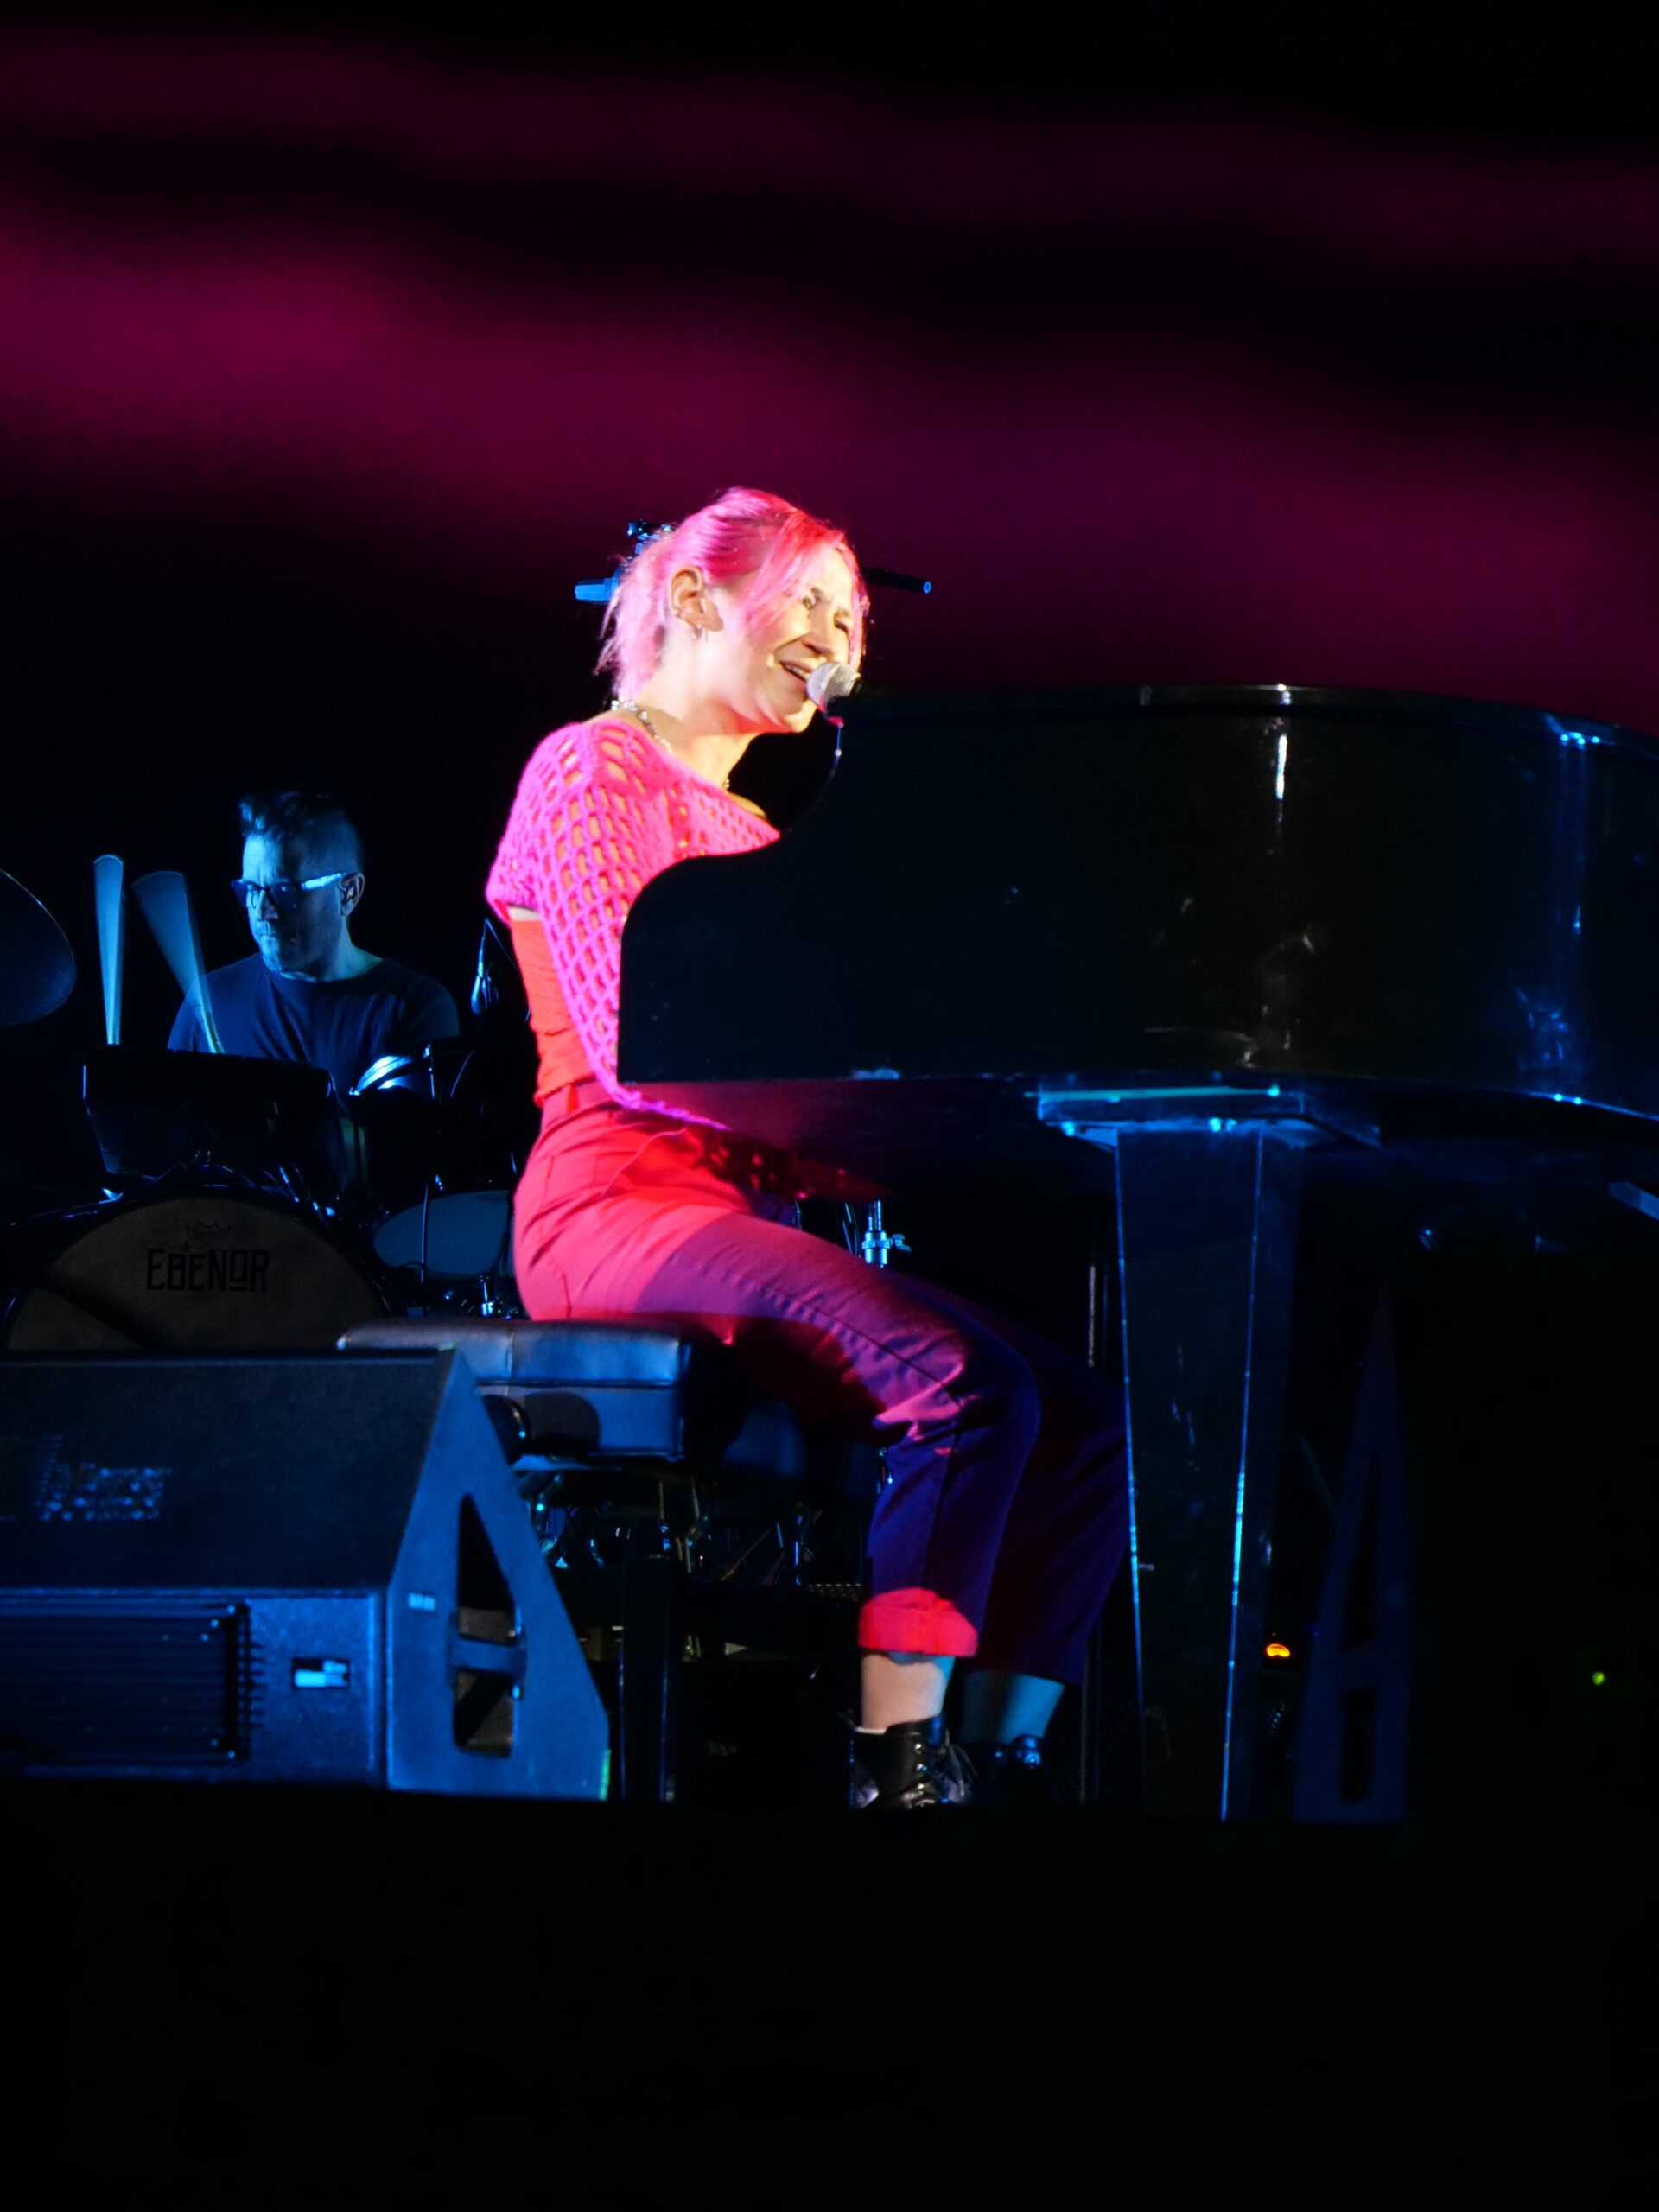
<point x="245" y="1208"/>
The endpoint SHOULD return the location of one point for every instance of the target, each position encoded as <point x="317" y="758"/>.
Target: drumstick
<point x="108" y="874"/>
<point x="163" y="899"/>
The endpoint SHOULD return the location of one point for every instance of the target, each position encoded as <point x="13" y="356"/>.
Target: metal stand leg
<point x="1353" y="1741"/>
<point x="649" y="1680"/>
<point x="1206" y="1255"/>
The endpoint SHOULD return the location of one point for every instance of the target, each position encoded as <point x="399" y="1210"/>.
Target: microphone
<point x="830" y="682"/>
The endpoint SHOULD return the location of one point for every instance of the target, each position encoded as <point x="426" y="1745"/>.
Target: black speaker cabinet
<point x="290" y="1569"/>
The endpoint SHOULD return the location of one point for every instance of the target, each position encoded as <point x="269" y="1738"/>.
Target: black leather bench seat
<point x="612" y="1390"/>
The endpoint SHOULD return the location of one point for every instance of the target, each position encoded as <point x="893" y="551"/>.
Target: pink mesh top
<point x="599" y="811"/>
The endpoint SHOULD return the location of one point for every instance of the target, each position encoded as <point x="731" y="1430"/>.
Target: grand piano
<point x="1168" y="947"/>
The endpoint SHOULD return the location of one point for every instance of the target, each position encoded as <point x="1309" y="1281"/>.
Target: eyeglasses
<point x="284" y="893"/>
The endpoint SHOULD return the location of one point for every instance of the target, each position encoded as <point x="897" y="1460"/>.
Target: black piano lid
<point x="1161" y="886"/>
<point x="1247" y="700"/>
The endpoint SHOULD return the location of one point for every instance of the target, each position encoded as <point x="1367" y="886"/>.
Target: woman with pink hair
<point x="1003" y="1518"/>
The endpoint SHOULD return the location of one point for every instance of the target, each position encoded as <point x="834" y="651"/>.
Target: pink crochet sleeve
<point x="599" y="811"/>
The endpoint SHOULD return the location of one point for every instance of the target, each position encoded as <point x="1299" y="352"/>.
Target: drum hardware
<point x="432" y="1195"/>
<point x="200" y="1173"/>
<point x="254" y="1125"/>
<point x="270" y="1124"/>
<point x="876" y="1244"/>
<point x="390" y="1124"/>
<point x="37" y="968"/>
<point x="861" y="1229"/>
<point x="399" y="1072"/>
<point x="483" y="1297"/>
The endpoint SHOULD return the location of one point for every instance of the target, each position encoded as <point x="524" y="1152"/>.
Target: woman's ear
<point x="691" y="601"/>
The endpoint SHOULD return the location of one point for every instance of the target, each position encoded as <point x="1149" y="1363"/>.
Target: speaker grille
<point x="122" y="1684"/>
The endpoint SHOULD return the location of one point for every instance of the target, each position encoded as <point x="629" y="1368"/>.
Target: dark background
<point x="335" y="350"/>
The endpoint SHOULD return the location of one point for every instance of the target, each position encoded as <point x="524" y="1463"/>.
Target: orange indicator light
<point x="1278" y="1651"/>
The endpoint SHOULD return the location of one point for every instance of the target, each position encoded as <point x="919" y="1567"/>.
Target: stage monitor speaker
<point x="294" y="1569"/>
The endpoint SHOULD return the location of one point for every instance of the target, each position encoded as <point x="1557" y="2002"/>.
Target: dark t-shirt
<point x="344" y="1028"/>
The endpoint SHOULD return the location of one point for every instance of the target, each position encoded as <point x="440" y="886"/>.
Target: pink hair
<point x="742" y="533"/>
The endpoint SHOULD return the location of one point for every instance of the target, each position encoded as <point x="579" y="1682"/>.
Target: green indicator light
<point x="1597" y="1677"/>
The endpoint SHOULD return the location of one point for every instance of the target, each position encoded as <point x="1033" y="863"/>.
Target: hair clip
<point x="597" y="591"/>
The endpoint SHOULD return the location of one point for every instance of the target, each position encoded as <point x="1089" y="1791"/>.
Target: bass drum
<point x="197" y="1272"/>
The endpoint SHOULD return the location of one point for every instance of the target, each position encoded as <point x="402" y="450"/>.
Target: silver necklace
<point x="632" y="707"/>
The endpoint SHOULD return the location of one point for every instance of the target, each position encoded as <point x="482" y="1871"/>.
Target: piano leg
<point x="1207" y="1225"/>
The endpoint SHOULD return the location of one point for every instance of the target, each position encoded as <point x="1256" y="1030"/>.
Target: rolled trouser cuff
<point x="916" y="1622"/>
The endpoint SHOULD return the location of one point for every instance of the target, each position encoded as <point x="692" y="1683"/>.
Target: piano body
<point x="1182" y="942"/>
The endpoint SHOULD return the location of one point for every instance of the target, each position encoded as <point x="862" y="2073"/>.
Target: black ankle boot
<point x="901" y="1769"/>
<point x="1009" y="1773"/>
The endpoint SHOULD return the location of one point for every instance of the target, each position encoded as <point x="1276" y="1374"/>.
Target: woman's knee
<point x="998" y="1387"/>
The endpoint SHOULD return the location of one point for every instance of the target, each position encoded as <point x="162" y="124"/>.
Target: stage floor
<point x="300" y="1996"/>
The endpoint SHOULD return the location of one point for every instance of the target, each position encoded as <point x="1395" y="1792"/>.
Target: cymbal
<point x="37" y="969"/>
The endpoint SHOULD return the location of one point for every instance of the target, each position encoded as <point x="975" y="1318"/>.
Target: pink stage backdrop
<point x="1162" y="394"/>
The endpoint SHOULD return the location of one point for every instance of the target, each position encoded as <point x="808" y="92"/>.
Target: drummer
<point x="309" y="992"/>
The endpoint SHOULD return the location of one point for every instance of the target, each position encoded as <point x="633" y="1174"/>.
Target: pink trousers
<point x="1004" y="1516"/>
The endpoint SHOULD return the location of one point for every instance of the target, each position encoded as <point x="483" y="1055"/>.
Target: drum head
<point x="215" y="1271"/>
<point x="468" y="1233"/>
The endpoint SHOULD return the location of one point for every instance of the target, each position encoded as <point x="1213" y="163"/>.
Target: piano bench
<point x="645" y="1439"/>
<point x="593" y="1392"/>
